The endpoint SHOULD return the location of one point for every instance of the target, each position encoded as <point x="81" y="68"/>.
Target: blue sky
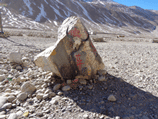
<point x="145" y="4"/>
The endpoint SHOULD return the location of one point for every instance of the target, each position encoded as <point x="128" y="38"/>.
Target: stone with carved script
<point x="73" y="54"/>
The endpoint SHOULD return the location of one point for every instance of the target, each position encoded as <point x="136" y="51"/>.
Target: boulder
<point x="73" y="54"/>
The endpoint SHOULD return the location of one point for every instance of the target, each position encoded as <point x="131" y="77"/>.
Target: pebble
<point x="7" y="106"/>
<point x="117" y="117"/>
<point x="19" y="113"/>
<point x="19" y="68"/>
<point x="85" y="116"/>
<point x="83" y="81"/>
<point x="60" y="93"/>
<point x="22" y="96"/>
<point x="26" y="114"/>
<point x="39" y="114"/>
<point x="68" y="81"/>
<point x="39" y="96"/>
<point x="90" y="87"/>
<point x="111" y="98"/>
<point x="13" y="116"/>
<point x="57" y="86"/>
<point x="2" y="77"/>
<point x="11" y="98"/>
<point x="28" y="88"/>
<point x="15" y="57"/>
<point x="66" y="88"/>
<point x="55" y="100"/>
<point x="51" y="94"/>
<point x="8" y="90"/>
<point x="45" y="96"/>
<point x="102" y="78"/>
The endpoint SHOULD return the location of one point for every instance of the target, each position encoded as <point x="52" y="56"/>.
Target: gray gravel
<point x="132" y="79"/>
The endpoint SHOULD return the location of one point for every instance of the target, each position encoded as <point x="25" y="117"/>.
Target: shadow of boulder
<point x="131" y="101"/>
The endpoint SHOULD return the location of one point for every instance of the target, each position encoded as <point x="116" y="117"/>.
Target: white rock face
<point x="28" y="88"/>
<point x="73" y="53"/>
<point x="15" y="57"/>
<point x="22" y="96"/>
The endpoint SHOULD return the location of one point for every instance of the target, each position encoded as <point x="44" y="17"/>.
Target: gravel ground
<point x="132" y="79"/>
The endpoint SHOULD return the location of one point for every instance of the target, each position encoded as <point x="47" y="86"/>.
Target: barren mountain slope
<point x="103" y="15"/>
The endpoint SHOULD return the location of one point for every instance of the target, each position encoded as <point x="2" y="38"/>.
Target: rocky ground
<point x="128" y="91"/>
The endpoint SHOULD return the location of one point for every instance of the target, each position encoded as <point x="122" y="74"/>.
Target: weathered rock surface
<point x="73" y="53"/>
<point x="28" y="88"/>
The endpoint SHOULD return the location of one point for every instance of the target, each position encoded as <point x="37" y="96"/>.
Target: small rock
<point x="22" y="96"/>
<point x="83" y="81"/>
<point x="102" y="78"/>
<point x="12" y="116"/>
<point x="66" y="88"/>
<point x="55" y="100"/>
<point x="7" y="106"/>
<point x="57" y="86"/>
<point x="60" y="93"/>
<point x="15" y="57"/>
<point x="19" y="113"/>
<point x="90" y="87"/>
<point x="39" y="114"/>
<point x="19" y="68"/>
<point x="117" y="117"/>
<point x="8" y="91"/>
<point x="85" y="116"/>
<point x="112" y="98"/>
<point x="11" y="98"/>
<point x="68" y="81"/>
<point x="2" y="77"/>
<point x="28" y="88"/>
<point x="51" y="94"/>
<point x="26" y="114"/>
<point x="45" y="96"/>
<point x="39" y="96"/>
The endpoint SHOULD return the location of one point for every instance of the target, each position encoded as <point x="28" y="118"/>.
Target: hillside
<point x="102" y="15"/>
